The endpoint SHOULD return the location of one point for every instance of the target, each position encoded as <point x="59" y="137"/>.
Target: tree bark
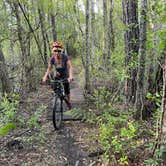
<point x="43" y="30"/>
<point x="130" y="19"/>
<point x="76" y="10"/>
<point x="53" y="25"/>
<point x="92" y="32"/>
<point x="87" y="77"/>
<point x="4" y="77"/>
<point x="111" y="43"/>
<point x="152" y="66"/>
<point x="139" y="103"/>
<point x="35" y="37"/>
<point x="105" y="25"/>
<point x="163" y="110"/>
<point x="20" y="33"/>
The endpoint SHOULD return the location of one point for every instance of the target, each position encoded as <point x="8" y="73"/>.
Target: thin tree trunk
<point x="130" y="19"/>
<point x="92" y="31"/>
<point x="105" y="25"/>
<point x="152" y="66"/>
<point x="53" y="25"/>
<point x="111" y="43"/>
<point x="87" y="77"/>
<point x="78" y="18"/>
<point x="4" y="77"/>
<point x="43" y="30"/>
<point x="35" y="37"/>
<point x="163" y="110"/>
<point x="21" y="40"/>
<point x="139" y="103"/>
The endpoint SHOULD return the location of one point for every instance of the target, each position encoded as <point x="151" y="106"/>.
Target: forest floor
<point x="41" y="145"/>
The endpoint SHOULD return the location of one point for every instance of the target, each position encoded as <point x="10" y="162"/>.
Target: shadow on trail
<point x="68" y="148"/>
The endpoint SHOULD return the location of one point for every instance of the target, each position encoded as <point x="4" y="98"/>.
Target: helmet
<point x="57" y="44"/>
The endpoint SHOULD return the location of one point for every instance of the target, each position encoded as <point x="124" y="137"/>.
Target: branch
<point x="30" y="27"/>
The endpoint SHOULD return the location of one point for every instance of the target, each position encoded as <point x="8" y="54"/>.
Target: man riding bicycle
<point x="63" y="68"/>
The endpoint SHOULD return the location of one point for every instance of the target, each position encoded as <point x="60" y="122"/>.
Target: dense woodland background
<point x="119" y="46"/>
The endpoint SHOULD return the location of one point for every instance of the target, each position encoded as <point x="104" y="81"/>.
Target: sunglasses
<point x="57" y="50"/>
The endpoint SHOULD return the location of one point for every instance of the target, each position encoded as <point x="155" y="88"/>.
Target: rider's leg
<point x="67" y="92"/>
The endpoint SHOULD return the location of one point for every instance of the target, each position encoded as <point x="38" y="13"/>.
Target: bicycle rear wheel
<point x="57" y="115"/>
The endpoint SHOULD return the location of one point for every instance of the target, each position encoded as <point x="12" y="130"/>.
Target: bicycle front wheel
<point x="57" y="112"/>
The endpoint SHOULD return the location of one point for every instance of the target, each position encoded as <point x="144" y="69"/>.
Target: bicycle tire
<point x="57" y="115"/>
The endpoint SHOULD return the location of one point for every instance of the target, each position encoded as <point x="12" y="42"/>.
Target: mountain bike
<point x="58" y="101"/>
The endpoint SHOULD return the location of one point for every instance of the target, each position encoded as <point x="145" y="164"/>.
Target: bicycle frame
<point x="59" y="96"/>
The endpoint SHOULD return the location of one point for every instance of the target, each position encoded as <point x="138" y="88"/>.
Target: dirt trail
<point x="44" y="146"/>
<point x="69" y="145"/>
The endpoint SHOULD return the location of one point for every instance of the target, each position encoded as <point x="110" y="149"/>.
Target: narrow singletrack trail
<point x="43" y="146"/>
<point x="69" y="144"/>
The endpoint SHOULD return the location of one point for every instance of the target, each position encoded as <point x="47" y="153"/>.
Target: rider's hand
<point x="70" y="79"/>
<point x="57" y="74"/>
<point x="44" y="79"/>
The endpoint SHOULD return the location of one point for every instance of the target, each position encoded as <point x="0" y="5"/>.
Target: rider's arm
<point x="47" y="72"/>
<point x="70" y="70"/>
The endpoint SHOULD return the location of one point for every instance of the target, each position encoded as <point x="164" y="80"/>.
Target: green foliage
<point x="156" y="97"/>
<point x="6" y="128"/>
<point x="33" y="121"/>
<point x="123" y="160"/>
<point x="99" y="97"/>
<point x="9" y="106"/>
<point x="117" y="134"/>
<point x="36" y="139"/>
<point x="85" y="115"/>
<point x="157" y="156"/>
<point x="8" y="115"/>
<point x="150" y="162"/>
<point x="156" y="159"/>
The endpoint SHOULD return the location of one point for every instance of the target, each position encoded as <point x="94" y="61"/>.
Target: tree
<point x="43" y="30"/>
<point x="105" y="25"/>
<point x="15" y="8"/>
<point x="131" y="36"/>
<point x="111" y="43"/>
<point x="87" y="77"/>
<point x="163" y="110"/>
<point x="4" y="77"/>
<point x="53" y="25"/>
<point x="139" y="103"/>
<point x="92" y="30"/>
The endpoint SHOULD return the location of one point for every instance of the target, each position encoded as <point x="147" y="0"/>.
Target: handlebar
<point x="58" y="81"/>
<point x="51" y="81"/>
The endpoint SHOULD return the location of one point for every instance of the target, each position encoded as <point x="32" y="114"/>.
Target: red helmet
<point x="57" y="44"/>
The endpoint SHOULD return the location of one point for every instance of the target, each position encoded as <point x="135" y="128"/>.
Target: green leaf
<point x="8" y="127"/>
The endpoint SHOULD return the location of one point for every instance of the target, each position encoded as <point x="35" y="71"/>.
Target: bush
<point x="8" y="115"/>
<point x="117" y="135"/>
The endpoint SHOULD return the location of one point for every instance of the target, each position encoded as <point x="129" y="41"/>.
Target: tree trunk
<point x="36" y="37"/>
<point x="139" y="103"/>
<point x="130" y="19"/>
<point x="21" y="41"/>
<point x="53" y="25"/>
<point x="87" y="77"/>
<point x="111" y="37"/>
<point x="92" y="32"/>
<point x="76" y="11"/>
<point x="43" y="30"/>
<point x="4" y="77"/>
<point x="152" y="66"/>
<point x="105" y="25"/>
<point x="163" y="110"/>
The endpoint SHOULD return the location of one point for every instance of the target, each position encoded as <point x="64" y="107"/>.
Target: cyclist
<point x="63" y="68"/>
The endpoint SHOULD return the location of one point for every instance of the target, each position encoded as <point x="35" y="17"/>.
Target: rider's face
<point x="56" y="50"/>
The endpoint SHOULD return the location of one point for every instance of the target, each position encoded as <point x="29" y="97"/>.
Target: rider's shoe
<point x="69" y="106"/>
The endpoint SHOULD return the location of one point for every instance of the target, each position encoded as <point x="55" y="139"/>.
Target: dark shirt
<point x="61" y="68"/>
